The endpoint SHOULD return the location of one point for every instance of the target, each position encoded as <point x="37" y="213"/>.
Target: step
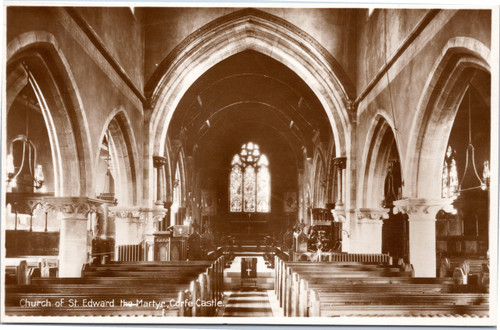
<point x="259" y="274"/>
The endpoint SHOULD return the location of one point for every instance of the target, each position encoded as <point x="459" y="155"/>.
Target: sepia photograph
<point x="255" y="163"/>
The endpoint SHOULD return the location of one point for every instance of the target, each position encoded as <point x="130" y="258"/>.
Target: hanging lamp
<point x="30" y="160"/>
<point x="484" y="181"/>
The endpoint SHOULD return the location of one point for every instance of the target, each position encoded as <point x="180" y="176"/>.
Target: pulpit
<point x="168" y="247"/>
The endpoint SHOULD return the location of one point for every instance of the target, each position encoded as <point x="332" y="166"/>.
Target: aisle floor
<point x="246" y="302"/>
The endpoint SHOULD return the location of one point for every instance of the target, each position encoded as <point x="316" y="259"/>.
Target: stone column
<point x="73" y="240"/>
<point x="422" y="231"/>
<point x="154" y="217"/>
<point x="135" y="225"/>
<point x="128" y="224"/>
<point x="340" y="165"/>
<point x="159" y="163"/>
<point x="339" y="215"/>
<point x="166" y="219"/>
<point x="368" y="230"/>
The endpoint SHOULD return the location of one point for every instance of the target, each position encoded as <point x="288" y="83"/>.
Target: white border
<point x="414" y="321"/>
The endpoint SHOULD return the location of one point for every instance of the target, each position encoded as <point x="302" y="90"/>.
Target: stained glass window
<point x="250" y="181"/>
<point x="235" y="185"/>
<point x="249" y="184"/>
<point x="263" y="184"/>
<point x="449" y="186"/>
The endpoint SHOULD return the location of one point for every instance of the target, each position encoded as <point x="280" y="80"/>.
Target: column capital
<point x="137" y="213"/>
<point x="340" y="162"/>
<point x="72" y="207"/>
<point x="159" y="161"/>
<point x="422" y="209"/>
<point x="372" y="214"/>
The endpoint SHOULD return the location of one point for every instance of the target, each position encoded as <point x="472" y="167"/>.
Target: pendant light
<point x="470" y="158"/>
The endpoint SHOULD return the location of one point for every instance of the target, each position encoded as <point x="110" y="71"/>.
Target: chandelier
<point x="28" y="165"/>
<point x="28" y="159"/>
<point x="451" y="186"/>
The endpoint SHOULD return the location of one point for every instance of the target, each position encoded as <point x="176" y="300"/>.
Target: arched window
<point x="250" y="181"/>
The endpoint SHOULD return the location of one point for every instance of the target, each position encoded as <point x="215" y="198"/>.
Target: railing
<point x="343" y="257"/>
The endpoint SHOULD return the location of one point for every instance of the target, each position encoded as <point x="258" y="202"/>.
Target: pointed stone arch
<point x="436" y="111"/>
<point x="231" y="34"/>
<point x="380" y="143"/>
<point x="61" y="104"/>
<point x="124" y="155"/>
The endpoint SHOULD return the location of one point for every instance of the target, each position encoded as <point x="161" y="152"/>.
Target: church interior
<point x="296" y="162"/>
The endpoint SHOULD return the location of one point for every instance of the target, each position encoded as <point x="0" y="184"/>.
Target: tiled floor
<point x="248" y="304"/>
<point x="258" y="302"/>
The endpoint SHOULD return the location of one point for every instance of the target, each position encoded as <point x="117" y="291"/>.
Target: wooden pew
<point x="350" y="270"/>
<point x="159" y="290"/>
<point x="426" y="310"/>
<point x="10" y="274"/>
<point x="475" y="265"/>
<point x="312" y="289"/>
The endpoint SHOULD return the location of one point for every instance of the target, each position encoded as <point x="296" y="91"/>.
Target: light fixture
<point x="29" y="160"/>
<point x="392" y="192"/>
<point x="36" y="170"/>
<point x="484" y="182"/>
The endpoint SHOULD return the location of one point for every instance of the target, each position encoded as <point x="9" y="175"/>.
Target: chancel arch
<point x="244" y="30"/>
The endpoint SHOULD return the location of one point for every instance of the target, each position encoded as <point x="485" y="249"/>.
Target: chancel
<point x="248" y="162"/>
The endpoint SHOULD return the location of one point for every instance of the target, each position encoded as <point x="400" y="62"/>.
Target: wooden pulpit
<point x="169" y="248"/>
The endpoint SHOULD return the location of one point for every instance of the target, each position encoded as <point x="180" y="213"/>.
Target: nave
<point x="247" y="162"/>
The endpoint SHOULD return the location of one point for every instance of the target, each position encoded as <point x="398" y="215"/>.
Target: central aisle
<point x="248" y="304"/>
<point x="256" y="300"/>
